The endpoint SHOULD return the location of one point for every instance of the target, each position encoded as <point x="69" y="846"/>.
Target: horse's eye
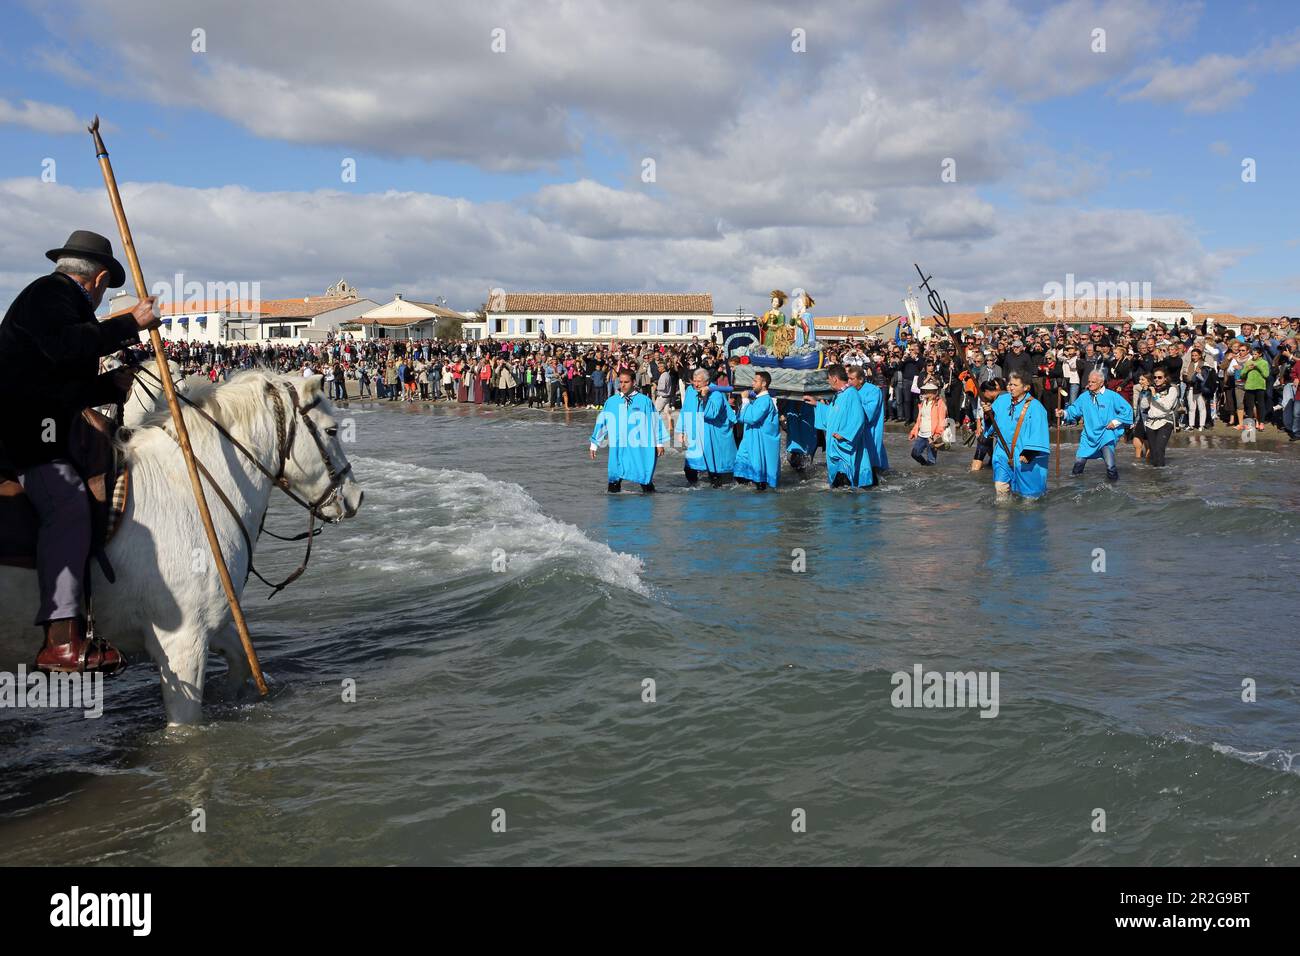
<point x="332" y="431"/>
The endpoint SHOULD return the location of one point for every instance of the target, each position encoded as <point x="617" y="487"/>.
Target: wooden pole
<point x="178" y="420"/>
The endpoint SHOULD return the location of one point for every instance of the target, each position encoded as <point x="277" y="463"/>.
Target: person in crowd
<point x="704" y="430"/>
<point x="873" y="412"/>
<point x="1254" y="378"/>
<point x="1105" y="414"/>
<point x="1157" y="407"/>
<point x="1017" y="427"/>
<point x="845" y="427"/>
<point x="758" y="459"/>
<point x="988" y="393"/>
<point x="636" y="436"/>
<point x="927" y="430"/>
<point x="1202" y="380"/>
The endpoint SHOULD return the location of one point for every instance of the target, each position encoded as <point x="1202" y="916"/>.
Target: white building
<point x="407" y="319"/>
<point x="1166" y="311"/>
<point x="600" y="316"/>
<point x="267" y="320"/>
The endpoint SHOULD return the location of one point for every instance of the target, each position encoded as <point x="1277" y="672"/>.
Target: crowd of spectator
<point x="1222" y="377"/>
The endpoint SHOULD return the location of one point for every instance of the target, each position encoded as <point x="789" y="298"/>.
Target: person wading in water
<point x="50" y="346"/>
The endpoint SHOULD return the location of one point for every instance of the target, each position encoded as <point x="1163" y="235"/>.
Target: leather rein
<point x="286" y="431"/>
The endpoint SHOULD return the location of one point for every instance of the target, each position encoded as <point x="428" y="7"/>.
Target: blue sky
<point x="1068" y="158"/>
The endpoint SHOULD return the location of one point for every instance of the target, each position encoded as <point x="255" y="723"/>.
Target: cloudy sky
<point x="506" y="144"/>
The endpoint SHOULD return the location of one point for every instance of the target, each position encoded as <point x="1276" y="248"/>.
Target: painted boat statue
<point x="785" y="347"/>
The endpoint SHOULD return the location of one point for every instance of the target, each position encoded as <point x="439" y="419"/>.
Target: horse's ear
<point x="311" y="389"/>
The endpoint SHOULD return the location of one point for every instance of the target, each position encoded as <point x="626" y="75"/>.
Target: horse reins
<point x="286" y="432"/>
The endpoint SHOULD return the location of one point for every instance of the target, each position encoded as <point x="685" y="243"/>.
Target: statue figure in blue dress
<point x="805" y="336"/>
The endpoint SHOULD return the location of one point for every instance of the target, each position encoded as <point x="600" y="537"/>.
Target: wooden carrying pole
<point x="182" y="433"/>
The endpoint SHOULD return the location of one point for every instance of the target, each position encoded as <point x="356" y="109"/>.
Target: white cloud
<point x="1215" y="81"/>
<point x="960" y="217"/>
<point x="42" y="117"/>
<point x="297" y="243"/>
<point x="597" y="211"/>
<point x="773" y="168"/>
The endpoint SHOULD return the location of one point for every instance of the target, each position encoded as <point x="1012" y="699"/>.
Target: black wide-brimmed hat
<point x="84" y="244"/>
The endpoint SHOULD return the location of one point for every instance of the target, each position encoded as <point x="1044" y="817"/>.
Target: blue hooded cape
<point x="1028" y="481"/>
<point x="1096" y="413"/>
<point x="759" y="458"/>
<point x="873" y="409"/>
<point x="846" y="455"/>
<point x="800" y="428"/>
<point x="634" y="429"/>
<point x="711" y="444"/>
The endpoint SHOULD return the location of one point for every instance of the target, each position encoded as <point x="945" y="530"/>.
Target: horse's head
<point x="146" y="396"/>
<point x="316" y="467"/>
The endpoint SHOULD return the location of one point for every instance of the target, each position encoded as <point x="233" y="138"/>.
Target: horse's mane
<point x="234" y="403"/>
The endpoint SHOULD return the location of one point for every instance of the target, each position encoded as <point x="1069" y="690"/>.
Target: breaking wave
<point x="450" y="521"/>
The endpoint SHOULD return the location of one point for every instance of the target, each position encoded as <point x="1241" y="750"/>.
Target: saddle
<point x="93" y="452"/>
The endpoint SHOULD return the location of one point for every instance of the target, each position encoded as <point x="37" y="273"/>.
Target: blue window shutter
<point x="681" y="327"/>
<point x="510" y="326"/>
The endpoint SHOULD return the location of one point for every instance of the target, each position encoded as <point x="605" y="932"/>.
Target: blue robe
<point x="711" y="443"/>
<point x="800" y="340"/>
<point x="800" y="428"/>
<point x="759" y="458"/>
<point x="846" y="455"/>
<point x="1028" y="481"/>
<point x="634" y="431"/>
<point x="1095" y="414"/>
<point x="873" y="409"/>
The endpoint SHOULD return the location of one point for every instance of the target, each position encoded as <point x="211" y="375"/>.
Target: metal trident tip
<point x="94" y="125"/>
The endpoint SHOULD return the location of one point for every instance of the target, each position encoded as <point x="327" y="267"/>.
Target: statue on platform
<point x="772" y="322"/>
<point x="805" y="334"/>
<point x="785" y="343"/>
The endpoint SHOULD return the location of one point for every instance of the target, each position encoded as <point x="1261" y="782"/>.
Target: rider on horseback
<point x="50" y="344"/>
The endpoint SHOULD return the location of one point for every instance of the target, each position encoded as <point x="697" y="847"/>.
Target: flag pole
<point x="178" y="420"/>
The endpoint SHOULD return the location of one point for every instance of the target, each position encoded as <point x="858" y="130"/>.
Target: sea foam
<point x="450" y="521"/>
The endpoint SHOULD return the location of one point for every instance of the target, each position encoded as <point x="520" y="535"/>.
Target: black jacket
<point x="50" y="346"/>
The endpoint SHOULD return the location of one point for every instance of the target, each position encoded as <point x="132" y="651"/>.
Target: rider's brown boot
<point x="67" y="650"/>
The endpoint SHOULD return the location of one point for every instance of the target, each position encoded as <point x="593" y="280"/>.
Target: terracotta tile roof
<point x="1044" y="312"/>
<point x="961" y="320"/>
<point x="303" y="308"/>
<point x="439" y="310"/>
<point x="606" y="302"/>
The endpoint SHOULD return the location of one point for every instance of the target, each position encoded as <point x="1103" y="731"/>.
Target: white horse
<point x="168" y="597"/>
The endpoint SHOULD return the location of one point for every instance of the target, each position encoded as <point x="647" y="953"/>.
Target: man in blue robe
<point x="800" y="434"/>
<point x="1022" y="442"/>
<point x="704" y="429"/>
<point x="845" y="425"/>
<point x="873" y="409"/>
<point x="636" y="435"/>
<point x="759" y="457"/>
<point x="1105" y="415"/>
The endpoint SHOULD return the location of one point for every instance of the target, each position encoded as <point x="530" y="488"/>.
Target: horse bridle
<point x="336" y="476"/>
<point x="286" y="431"/>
